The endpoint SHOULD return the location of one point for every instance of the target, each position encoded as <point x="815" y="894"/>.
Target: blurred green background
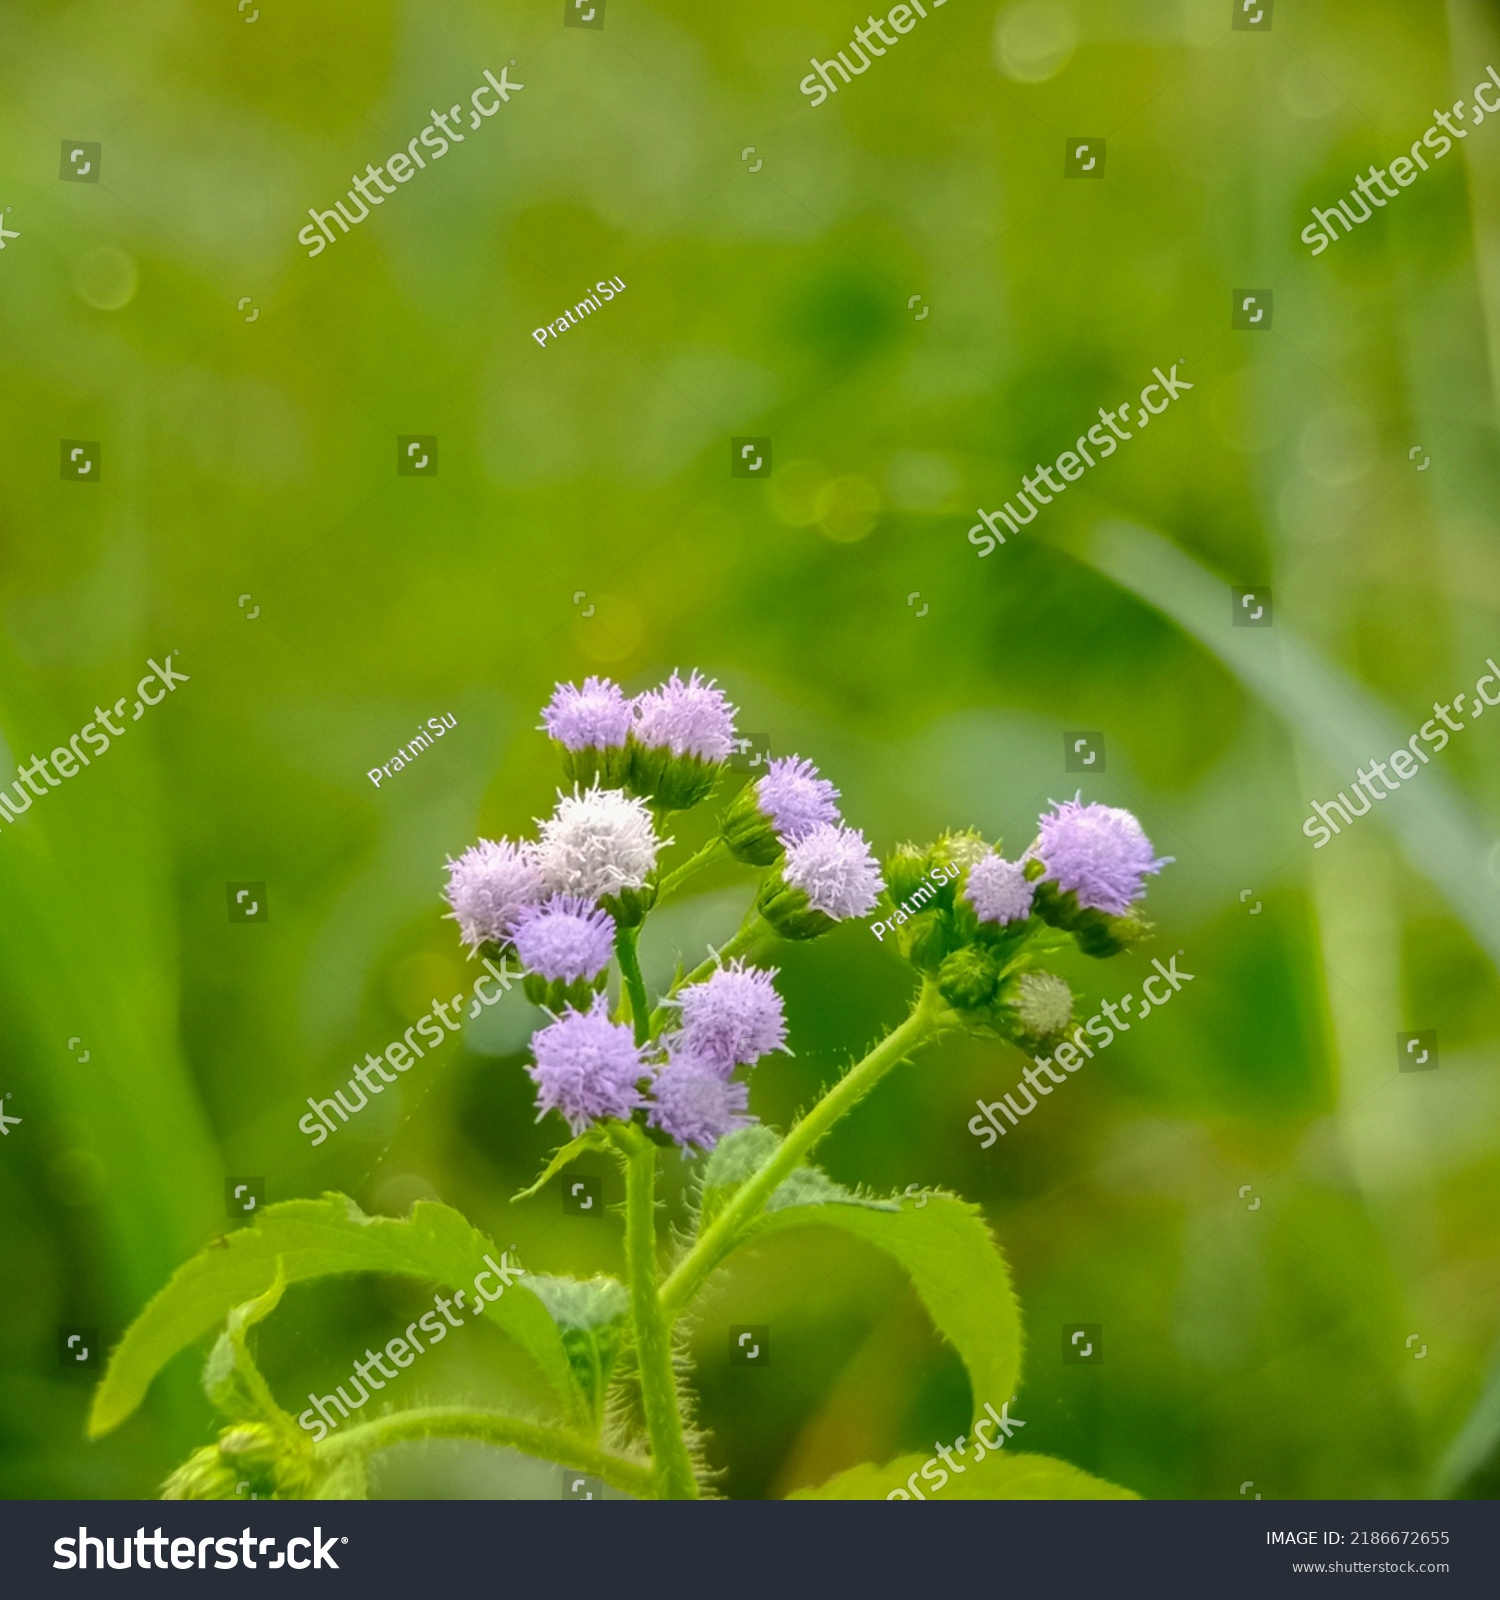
<point x="584" y="519"/>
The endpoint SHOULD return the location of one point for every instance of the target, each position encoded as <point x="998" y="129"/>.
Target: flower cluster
<point x="976" y="922"/>
<point x="573" y="898"/>
<point x="571" y="902"/>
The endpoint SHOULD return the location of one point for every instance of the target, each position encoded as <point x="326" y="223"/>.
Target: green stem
<point x="925" y="1021"/>
<point x="491" y="1427"/>
<point x="675" y="1479"/>
<point x="750" y="932"/>
<point x="635" y="985"/>
<point x="675" y="879"/>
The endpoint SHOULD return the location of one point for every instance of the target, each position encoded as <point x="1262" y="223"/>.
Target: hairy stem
<point x="675" y="1479"/>
<point x="635" y="985"/>
<point x="924" y="1023"/>
<point x="491" y="1427"/>
<point x="675" y="879"/>
<point x="750" y="932"/>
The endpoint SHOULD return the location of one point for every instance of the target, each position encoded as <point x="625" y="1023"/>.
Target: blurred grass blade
<point x="1340" y="722"/>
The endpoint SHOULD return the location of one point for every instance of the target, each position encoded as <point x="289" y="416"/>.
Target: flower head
<point x="564" y="938"/>
<point x="998" y="890"/>
<point x="834" y="868"/>
<point x="489" y="885"/>
<point x="732" y="1018"/>
<point x="587" y="1067"/>
<point x="795" y="798"/>
<point x="1099" y="852"/>
<point x="696" y="1105"/>
<point x="688" y="719"/>
<point x="1044" y="1004"/>
<point x="597" y="716"/>
<point x="597" y="842"/>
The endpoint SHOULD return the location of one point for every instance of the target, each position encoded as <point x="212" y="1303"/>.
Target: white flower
<point x="597" y="842"/>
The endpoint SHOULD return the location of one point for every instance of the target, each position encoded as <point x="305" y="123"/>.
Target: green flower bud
<point x="556" y="993"/>
<point x="968" y="978"/>
<point x="926" y="940"/>
<point x="1099" y="934"/>
<point x="962" y="850"/>
<point x="905" y="868"/>
<point x="1035" y="1009"/>
<point x="250" y="1459"/>
<point x="748" y="832"/>
<point x="788" y="910"/>
<point x="203" y="1476"/>
<point x="629" y="906"/>
<point x="609" y="767"/>
<point x="671" y="783"/>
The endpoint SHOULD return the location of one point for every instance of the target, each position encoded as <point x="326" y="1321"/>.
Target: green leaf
<point x="590" y="1312"/>
<point x="999" y="1476"/>
<point x="954" y="1264"/>
<point x="314" y="1239"/>
<point x="956" y="1268"/>
<point x="231" y="1379"/>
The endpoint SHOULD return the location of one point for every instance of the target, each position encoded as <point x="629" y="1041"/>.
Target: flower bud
<point x="905" y="869"/>
<point x="671" y="782"/>
<point x="1035" y="1009"/>
<point x="788" y="910"/>
<point x="555" y="993"/>
<point x="968" y="978"/>
<point x="1099" y="934"/>
<point x="251" y="1458"/>
<point x="629" y="906"/>
<point x="926" y="940"/>
<point x="959" y="851"/>
<point x="748" y="831"/>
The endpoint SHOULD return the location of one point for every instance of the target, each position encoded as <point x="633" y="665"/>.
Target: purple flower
<point x="998" y="890"/>
<point x="695" y="1105"/>
<point x="489" y="885"/>
<point x="732" y="1018"/>
<point x="597" y="716"/>
<point x="795" y="798"/>
<point x="587" y="1067"/>
<point x="689" y="719"/>
<point x="1099" y="852"/>
<point x="835" y="870"/>
<point x="564" y="938"/>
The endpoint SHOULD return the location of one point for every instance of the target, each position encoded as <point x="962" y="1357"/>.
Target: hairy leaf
<point x="999" y="1476"/>
<point x="591" y="1314"/>
<point x="231" y="1380"/>
<point x="956" y="1268"/>
<point x="314" y="1239"/>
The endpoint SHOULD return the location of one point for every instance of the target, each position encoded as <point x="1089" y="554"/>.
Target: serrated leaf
<point x="231" y="1380"/>
<point x="591" y="1314"/>
<point x="956" y="1268"/>
<point x="1001" y="1475"/>
<point x="314" y="1239"/>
